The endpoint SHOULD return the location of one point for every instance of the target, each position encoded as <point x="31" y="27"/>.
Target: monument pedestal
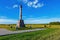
<point x="22" y="23"/>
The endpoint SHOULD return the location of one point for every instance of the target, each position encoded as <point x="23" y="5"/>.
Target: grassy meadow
<point x="8" y="26"/>
<point x="52" y="32"/>
<point x="42" y="26"/>
<point x="28" y="26"/>
<point x="48" y="34"/>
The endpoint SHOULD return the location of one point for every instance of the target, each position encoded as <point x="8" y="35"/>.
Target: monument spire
<point x="20" y="12"/>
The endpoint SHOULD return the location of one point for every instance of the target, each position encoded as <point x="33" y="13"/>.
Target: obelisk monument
<point x="21" y="21"/>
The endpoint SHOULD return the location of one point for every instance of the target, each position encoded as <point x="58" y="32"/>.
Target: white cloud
<point x="8" y="21"/>
<point x="38" y="5"/>
<point x="5" y="20"/>
<point x="34" y="3"/>
<point x="15" y="6"/>
<point x="29" y="4"/>
<point x="39" y="21"/>
<point x="30" y="21"/>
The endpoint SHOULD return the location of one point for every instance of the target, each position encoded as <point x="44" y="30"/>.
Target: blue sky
<point x="34" y="11"/>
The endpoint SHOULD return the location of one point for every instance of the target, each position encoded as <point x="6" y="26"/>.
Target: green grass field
<point x="8" y="26"/>
<point x="48" y="34"/>
<point x="52" y="32"/>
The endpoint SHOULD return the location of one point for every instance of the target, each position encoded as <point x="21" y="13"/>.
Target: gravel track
<point x="6" y="32"/>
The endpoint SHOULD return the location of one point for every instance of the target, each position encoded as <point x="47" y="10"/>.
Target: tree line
<point x="55" y="23"/>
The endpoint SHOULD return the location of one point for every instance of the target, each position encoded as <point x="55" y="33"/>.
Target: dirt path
<point x="6" y="32"/>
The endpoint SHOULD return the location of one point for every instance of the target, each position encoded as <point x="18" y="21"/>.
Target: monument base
<point x="22" y="23"/>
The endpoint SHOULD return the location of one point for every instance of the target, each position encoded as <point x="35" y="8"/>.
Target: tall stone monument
<point x="21" y="21"/>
